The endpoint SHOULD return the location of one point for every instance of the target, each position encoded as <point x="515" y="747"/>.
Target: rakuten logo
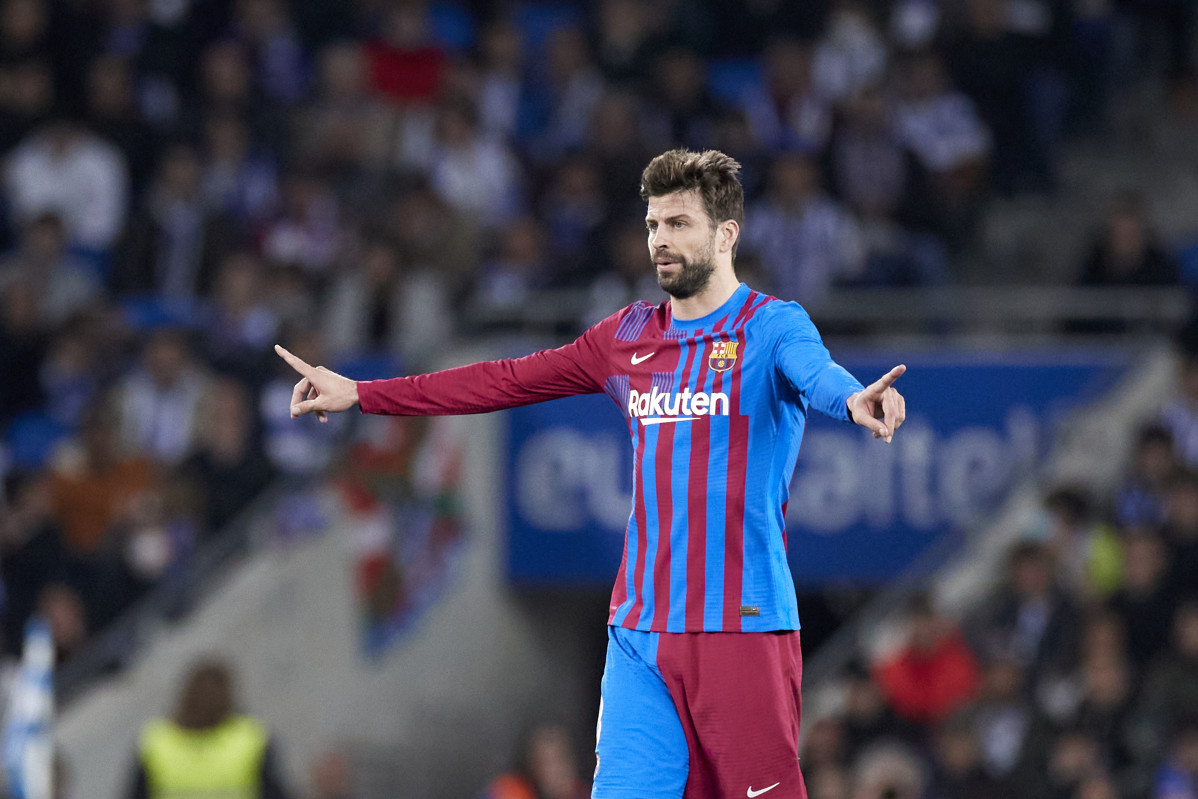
<point x="660" y="407"/>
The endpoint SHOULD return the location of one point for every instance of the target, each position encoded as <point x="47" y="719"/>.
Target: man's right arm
<point x="577" y="368"/>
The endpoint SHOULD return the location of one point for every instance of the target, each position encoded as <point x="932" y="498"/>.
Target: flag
<point x="27" y="745"/>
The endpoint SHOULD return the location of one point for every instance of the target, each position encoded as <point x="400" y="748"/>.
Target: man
<point x="700" y="693"/>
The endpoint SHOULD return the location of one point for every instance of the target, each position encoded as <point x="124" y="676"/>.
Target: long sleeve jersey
<point x="715" y="409"/>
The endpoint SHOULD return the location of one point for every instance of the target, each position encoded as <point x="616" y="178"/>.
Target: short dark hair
<point x="206" y="698"/>
<point x="714" y="175"/>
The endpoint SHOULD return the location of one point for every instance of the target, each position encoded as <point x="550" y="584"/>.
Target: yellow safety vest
<point x="223" y="762"/>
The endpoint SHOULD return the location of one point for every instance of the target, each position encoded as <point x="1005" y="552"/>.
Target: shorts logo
<point x="723" y="355"/>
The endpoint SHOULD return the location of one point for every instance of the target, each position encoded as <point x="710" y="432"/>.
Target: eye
<point x="679" y="225"/>
<point x="651" y="226"/>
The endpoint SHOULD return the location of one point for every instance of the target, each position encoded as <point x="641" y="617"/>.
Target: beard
<point x="692" y="276"/>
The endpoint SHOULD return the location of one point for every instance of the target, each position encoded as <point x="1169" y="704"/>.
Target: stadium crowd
<point x="186" y="182"/>
<point x="1075" y="679"/>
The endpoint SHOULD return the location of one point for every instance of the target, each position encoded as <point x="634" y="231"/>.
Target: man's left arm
<point x="807" y="365"/>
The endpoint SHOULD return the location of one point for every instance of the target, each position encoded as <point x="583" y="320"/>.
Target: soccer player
<point x="700" y="692"/>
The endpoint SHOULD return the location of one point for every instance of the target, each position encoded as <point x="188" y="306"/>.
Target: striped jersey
<point x="715" y="409"/>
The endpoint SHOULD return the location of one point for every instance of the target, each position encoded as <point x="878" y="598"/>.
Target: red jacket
<point x="928" y="686"/>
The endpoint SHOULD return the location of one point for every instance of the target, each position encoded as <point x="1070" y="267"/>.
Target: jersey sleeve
<point x="804" y="363"/>
<point x="577" y="368"/>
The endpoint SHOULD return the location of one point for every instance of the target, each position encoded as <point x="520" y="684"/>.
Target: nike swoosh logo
<point x="642" y="359"/>
<point x="753" y="793"/>
<point x="670" y="420"/>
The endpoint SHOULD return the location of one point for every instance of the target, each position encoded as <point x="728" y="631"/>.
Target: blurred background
<point x="1002" y="194"/>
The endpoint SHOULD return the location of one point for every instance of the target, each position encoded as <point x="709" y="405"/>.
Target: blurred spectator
<point x="1145" y="600"/>
<point x="61" y="284"/>
<point x="1003" y="718"/>
<point x="23" y="345"/>
<point x="96" y="487"/>
<point x="872" y="170"/>
<point x="344" y="131"/>
<point x="228" y="467"/>
<point x="520" y="269"/>
<point x="889" y="771"/>
<point x="30" y="97"/>
<point x="829" y="782"/>
<point x="867" y="716"/>
<point x="934" y="674"/>
<point x="64" y="168"/>
<point x="31" y="554"/>
<point x="307" y="230"/>
<point x="242" y="325"/>
<point x="405" y="65"/>
<point x="627" y="38"/>
<point x="1170" y="689"/>
<point x="960" y="772"/>
<point x="567" y="96"/>
<point x="174" y="242"/>
<point x="573" y="210"/>
<point x="683" y="112"/>
<point x="1088" y="553"/>
<point x="280" y="65"/>
<point x="501" y="91"/>
<point x="206" y="746"/>
<point x="1180" y="415"/>
<point x="616" y="140"/>
<point x="112" y="113"/>
<point x="851" y="53"/>
<point x="159" y="402"/>
<point x="806" y="241"/>
<point x="226" y="90"/>
<point x="787" y="113"/>
<point x="1106" y="707"/>
<point x="367" y="304"/>
<point x="475" y="174"/>
<point x="1029" y="618"/>
<point x="824" y="745"/>
<point x="237" y="180"/>
<point x="942" y="128"/>
<point x="1126" y="251"/>
<point x="1142" y="497"/>
<point x="1181" y="531"/>
<point x="546" y="769"/>
<point x="1178" y="775"/>
<point x="1066" y="760"/>
<point x="432" y="237"/>
<point x="63" y="609"/>
<point x="991" y="63"/>
<point x="72" y="371"/>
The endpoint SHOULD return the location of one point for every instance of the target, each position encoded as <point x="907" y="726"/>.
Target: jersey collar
<point x="707" y="322"/>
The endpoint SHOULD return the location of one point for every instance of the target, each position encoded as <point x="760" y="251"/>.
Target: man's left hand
<point x="880" y="407"/>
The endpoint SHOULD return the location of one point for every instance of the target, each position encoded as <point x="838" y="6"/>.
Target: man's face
<point x="681" y="243"/>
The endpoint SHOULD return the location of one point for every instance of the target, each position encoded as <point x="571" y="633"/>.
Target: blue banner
<point x="860" y="511"/>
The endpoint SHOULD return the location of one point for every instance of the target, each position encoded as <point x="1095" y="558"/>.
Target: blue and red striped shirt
<point x="715" y="408"/>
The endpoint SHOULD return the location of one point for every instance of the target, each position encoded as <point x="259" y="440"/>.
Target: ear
<point x="729" y="234"/>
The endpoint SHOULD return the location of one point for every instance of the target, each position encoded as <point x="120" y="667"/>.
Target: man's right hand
<point x="319" y="391"/>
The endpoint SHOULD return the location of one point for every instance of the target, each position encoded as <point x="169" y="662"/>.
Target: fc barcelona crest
<point x="723" y="355"/>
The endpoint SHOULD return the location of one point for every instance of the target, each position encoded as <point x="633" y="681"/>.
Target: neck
<point x="723" y="284"/>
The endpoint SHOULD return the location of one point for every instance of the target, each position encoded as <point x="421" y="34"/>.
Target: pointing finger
<point x="887" y="380"/>
<point x="298" y="364"/>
